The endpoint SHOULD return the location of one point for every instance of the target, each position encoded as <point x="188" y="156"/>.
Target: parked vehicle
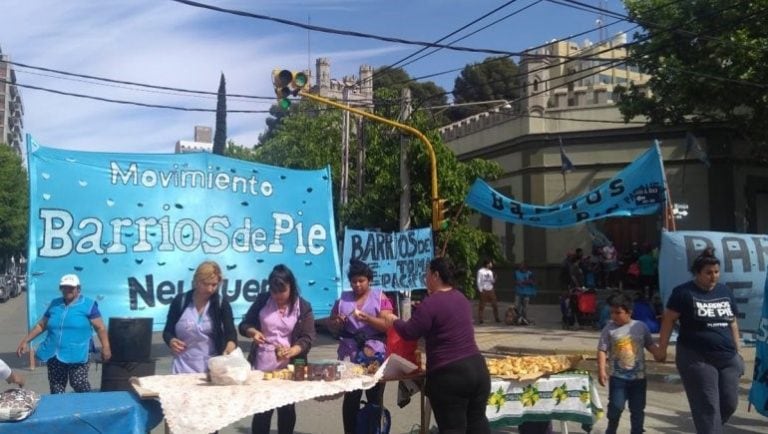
<point x="4" y="293"/>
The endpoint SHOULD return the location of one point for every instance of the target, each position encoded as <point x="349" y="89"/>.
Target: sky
<point x="166" y="43"/>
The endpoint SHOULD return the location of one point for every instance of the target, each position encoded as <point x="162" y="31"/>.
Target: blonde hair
<point x="206" y="271"/>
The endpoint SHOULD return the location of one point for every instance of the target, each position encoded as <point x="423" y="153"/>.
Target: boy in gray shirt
<point x="621" y="345"/>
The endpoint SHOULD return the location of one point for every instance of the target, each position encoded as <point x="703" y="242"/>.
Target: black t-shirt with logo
<point x="705" y="319"/>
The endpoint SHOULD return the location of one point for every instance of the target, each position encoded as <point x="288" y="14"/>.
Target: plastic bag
<point x="403" y="348"/>
<point x="17" y="404"/>
<point x="229" y="369"/>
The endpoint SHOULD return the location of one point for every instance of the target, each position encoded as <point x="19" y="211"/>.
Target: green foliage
<point x="14" y="204"/>
<point x="220" y="136"/>
<point x="493" y="78"/>
<point x="424" y="94"/>
<point x="708" y="60"/>
<point x="309" y="136"/>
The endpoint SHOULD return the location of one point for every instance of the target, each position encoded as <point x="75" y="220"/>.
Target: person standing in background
<point x="485" y="280"/>
<point x="525" y="289"/>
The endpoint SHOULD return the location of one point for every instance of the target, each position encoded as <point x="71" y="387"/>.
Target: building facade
<point x="11" y="107"/>
<point x="203" y="142"/>
<point x="562" y="102"/>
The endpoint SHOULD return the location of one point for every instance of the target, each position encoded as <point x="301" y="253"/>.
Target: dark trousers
<point x="458" y="393"/>
<point x="59" y="372"/>
<point x="351" y="404"/>
<point x="712" y="388"/>
<point x="621" y="392"/>
<point x="286" y="420"/>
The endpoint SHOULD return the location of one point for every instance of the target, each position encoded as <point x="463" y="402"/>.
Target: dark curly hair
<point x="359" y="268"/>
<point x="707" y="257"/>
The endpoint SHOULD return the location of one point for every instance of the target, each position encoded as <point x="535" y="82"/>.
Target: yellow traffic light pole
<point x="409" y="129"/>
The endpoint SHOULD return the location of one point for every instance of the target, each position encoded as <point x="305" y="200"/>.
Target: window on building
<point x="571" y="102"/>
<point x="535" y="84"/>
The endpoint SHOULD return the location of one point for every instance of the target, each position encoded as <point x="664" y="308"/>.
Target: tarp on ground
<point x="134" y="227"/>
<point x="636" y="190"/>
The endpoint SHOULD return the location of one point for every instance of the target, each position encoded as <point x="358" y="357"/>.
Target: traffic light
<point x="440" y="220"/>
<point x="288" y="83"/>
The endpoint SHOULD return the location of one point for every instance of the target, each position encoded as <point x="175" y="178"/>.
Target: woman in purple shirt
<point x="282" y="327"/>
<point x="458" y="383"/>
<point x="359" y="319"/>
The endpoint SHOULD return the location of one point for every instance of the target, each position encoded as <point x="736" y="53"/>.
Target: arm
<point x="36" y="330"/>
<point x="230" y="334"/>
<point x="176" y="345"/>
<point x="304" y="334"/>
<point x="251" y="324"/>
<point x="602" y="376"/>
<point x="736" y="337"/>
<point x="336" y="321"/>
<point x="380" y="322"/>
<point x="667" y="324"/>
<point x="417" y="326"/>
<point x="9" y="375"/>
<point x="101" y="332"/>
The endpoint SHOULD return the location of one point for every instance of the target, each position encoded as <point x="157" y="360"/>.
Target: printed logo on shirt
<point x="717" y="312"/>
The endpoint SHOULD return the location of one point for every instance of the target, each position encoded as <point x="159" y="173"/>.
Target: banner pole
<point x="669" y="218"/>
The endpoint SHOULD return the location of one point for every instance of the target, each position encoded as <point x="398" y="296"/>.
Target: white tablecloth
<point x="191" y="405"/>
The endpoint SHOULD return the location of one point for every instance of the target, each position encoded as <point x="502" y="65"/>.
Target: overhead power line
<point x="118" y="101"/>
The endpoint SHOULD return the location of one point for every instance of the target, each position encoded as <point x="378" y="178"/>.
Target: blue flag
<point x="639" y="189"/>
<point x="565" y="163"/>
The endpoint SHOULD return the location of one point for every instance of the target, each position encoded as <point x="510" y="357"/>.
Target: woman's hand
<point x="23" y="347"/>
<point x="288" y="352"/>
<point x="177" y="346"/>
<point x="106" y="353"/>
<point x="258" y="337"/>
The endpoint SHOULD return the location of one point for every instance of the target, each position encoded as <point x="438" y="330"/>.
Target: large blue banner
<point x="743" y="262"/>
<point x="758" y="394"/>
<point x="636" y="190"/>
<point x="134" y="227"/>
<point x="399" y="259"/>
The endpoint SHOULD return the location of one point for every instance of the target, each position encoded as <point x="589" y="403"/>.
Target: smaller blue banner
<point x="637" y="190"/>
<point x="399" y="259"/>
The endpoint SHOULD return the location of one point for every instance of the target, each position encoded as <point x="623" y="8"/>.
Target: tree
<point x="14" y="205"/>
<point x="426" y="94"/>
<point x="220" y="136"/>
<point x="493" y="78"/>
<point x="310" y="136"/>
<point x="708" y="61"/>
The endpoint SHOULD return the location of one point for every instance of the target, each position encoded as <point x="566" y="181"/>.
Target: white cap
<point x="69" y="280"/>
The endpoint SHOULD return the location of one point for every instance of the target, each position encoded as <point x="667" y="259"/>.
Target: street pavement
<point x="666" y="411"/>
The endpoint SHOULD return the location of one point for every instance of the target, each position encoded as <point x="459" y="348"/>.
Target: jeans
<point x="286" y="420"/>
<point x="521" y="306"/>
<point x="621" y="391"/>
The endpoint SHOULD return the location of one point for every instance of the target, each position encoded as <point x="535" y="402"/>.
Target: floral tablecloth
<point x="570" y="396"/>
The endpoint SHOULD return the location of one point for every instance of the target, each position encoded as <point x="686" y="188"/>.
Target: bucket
<point x="130" y="339"/>
<point x="115" y="376"/>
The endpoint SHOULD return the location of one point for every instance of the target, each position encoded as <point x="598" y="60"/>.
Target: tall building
<point x="11" y="108"/>
<point x="359" y="90"/>
<point x="203" y="142"/>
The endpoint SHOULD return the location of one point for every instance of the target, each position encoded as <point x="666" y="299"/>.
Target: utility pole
<point x="405" y="190"/>
<point x="344" y="182"/>
<point x="360" y="123"/>
<point x="405" y="175"/>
